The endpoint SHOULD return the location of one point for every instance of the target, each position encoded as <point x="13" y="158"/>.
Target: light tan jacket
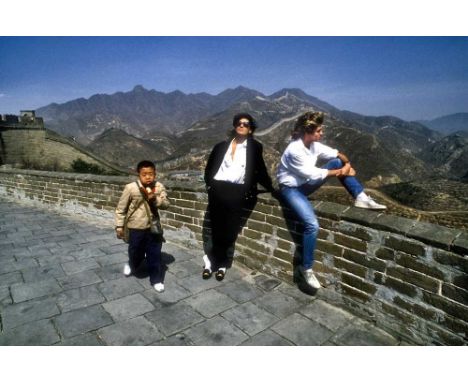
<point x="131" y="204"/>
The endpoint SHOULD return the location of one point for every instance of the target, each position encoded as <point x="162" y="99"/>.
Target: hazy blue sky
<point x="408" y="77"/>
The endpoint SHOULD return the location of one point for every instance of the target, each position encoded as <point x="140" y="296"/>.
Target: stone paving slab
<point x="174" y="318"/>
<point x="211" y="303"/>
<point x="82" y="320"/>
<point x="79" y="298"/>
<point x="267" y="338"/>
<point x="137" y="331"/>
<point x="22" y="313"/>
<point x="240" y="290"/>
<point x="216" y="331"/>
<point x="29" y="291"/>
<point x="34" y="333"/>
<point x="250" y="318"/>
<point x="62" y="284"/>
<point x="128" y="307"/>
<point x="363" y="335"/>
<point x="79" y="280"/>
<point x="302" y="331"/>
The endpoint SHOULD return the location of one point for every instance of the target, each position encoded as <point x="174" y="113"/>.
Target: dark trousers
<point x="225" y="204"/>
<point x="143" y="242"/>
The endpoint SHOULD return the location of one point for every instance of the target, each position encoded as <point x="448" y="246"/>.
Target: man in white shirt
<point x="299" y="177"/>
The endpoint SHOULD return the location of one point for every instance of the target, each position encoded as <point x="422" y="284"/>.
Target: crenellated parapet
<point x="409" y="277"/>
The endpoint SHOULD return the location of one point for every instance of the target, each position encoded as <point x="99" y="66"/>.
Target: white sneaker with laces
<point x="159" y="287"/>
<point x="369" y="204"/>
<point x="127" y="271"/>
<point x="309" y="277"/>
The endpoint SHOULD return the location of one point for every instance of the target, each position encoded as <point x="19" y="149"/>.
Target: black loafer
<point x="220" y="275"/>
<point x="206" y="273"/>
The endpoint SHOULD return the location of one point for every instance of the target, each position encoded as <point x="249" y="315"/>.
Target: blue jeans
<point x="141" y="242"/>
<point x="296" y="198"/>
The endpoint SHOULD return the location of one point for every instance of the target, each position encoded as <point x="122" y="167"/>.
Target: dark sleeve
<point x="261" y="171"/>
<point x="209" y="169"/>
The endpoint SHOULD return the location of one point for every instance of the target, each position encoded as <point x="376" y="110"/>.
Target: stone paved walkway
<point x="61" y="283"/>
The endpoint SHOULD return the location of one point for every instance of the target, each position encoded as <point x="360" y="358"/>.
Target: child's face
<point x="147" y="175"/>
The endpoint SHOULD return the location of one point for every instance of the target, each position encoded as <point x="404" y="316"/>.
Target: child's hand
<point x="119" y="232"/>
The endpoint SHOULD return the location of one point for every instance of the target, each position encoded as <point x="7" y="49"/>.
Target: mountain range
<point x="178" y="130"/>
<point x="448" y="124"/>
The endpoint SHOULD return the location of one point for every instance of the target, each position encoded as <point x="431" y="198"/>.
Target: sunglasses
<point x="245" y="124"/>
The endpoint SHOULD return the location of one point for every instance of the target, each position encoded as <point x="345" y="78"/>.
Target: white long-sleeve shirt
<point x="298" y="163"/>
<point x="233" y="169"/>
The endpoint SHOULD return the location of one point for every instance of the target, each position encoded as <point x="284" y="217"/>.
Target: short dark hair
<point x="145" y="163"/>
<point x="238" y="117"/>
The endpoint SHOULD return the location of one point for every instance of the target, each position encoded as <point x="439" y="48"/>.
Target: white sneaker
<point x="127" y="271"/>
<point x="159" y="287"/>
<point x="369" y="204"/>
<point x="309" y="277"/>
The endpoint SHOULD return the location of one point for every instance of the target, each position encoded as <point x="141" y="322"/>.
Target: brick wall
<point x="410" y="277"/>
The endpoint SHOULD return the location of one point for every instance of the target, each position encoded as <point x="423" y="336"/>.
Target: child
<point x="138" y="206"/>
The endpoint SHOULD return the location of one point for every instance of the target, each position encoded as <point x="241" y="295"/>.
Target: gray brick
<point x="8" y="279"/>
<point x="195" y="284"/>
<point x="114" y="289"/>
<point x="216" y="332"/>
<point x="267" y="338"/>
<point x="24" y="292"/>
<point x="88" y="339"/>
<point x="11" y="265"/>
<point x="135" y="332"/>
<point x="79" y="266"/>
<point x="22" y="313"/>
<point x="182" y="269"/>
<point x="42" y="273"/>
<point x="327" y="315"/>
<point x="240" y="291"/>
<point x="435" y="235"/>
<point x="250" y="318"/>
<point x="174" y="318"/>
<point x="82" y="320"/>
<point x="210" y="303"/>
<point x="79" y="280"/>
<point x="266" y="283"/>
<point x="365" y="335"/>
<point x="277" y="303"/>
<point x="39" y="333"/>
<point x="302" y="331"/>
<point x="117" y="258"/>
<point x="58" y="258"/>
<point x="179" y="339"/>
<point x="5" y="298"/>
<point x="79" y="298"/>
<point x="128" y="307"/>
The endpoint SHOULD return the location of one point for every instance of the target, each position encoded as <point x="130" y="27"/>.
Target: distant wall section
<point x="39" y="148"/>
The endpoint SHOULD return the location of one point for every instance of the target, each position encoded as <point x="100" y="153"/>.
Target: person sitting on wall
<point x="299" y="177"/>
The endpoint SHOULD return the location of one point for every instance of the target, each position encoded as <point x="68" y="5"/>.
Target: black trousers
<point x="141" y="242"/>
<point x="225" y="204"/>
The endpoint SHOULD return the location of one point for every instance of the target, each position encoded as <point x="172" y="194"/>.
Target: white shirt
<point x="233" y="170"/>
<point x="298" y="163"/>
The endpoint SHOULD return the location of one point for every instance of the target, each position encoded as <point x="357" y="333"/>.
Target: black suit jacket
<point x="255" y="169"/>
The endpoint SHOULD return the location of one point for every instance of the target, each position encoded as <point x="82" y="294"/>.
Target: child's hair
<point x="307" y="123"/>
<point x="145" y="163"/>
